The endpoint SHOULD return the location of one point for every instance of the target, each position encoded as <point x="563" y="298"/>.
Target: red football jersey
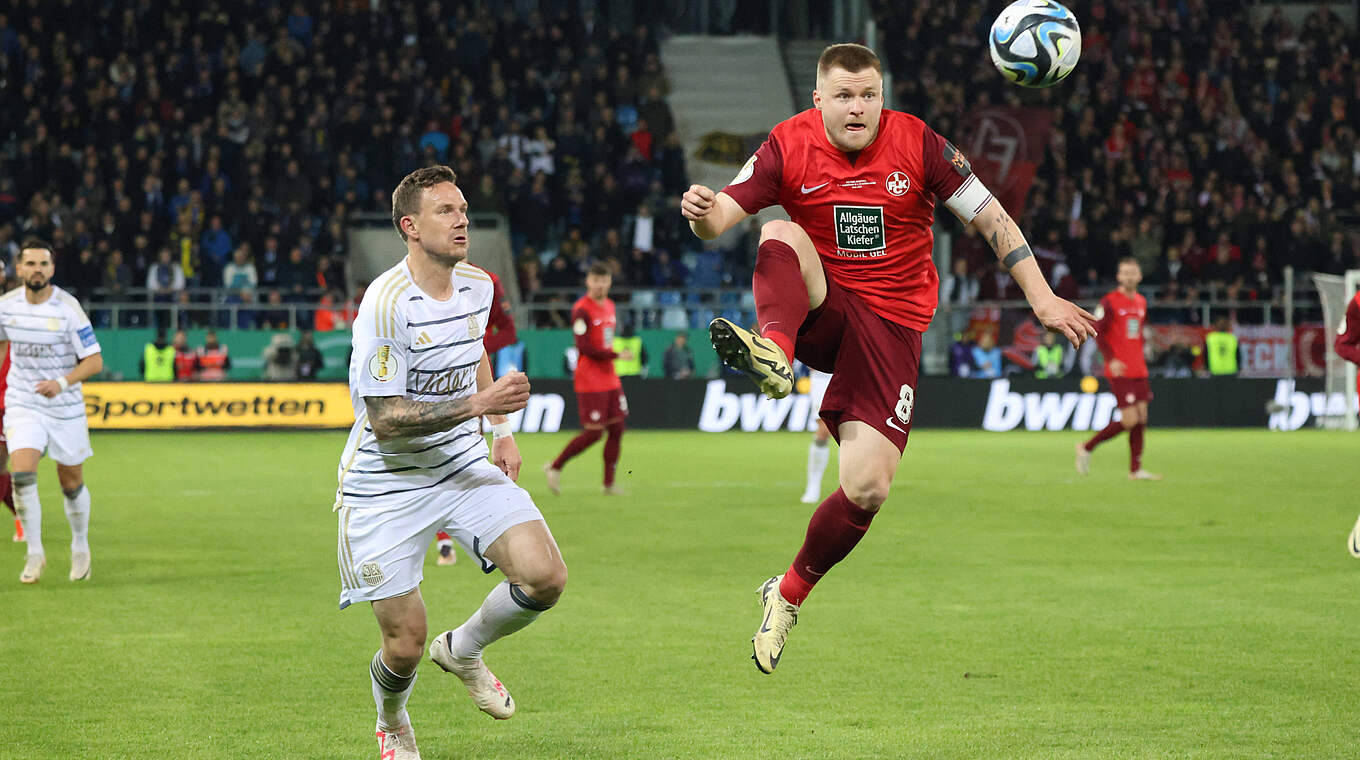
<point x="593" y="324"/>
<point x="500" y="324"/>
<point x="1119" y="333"/>
<point x="868" y="214"/>
<point x="1347" y="335"/>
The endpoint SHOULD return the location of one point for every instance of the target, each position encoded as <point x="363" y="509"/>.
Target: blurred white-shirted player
<point x="52" y="349"/>
<point x="819" y="451"/>
<point x="416" y="462"/>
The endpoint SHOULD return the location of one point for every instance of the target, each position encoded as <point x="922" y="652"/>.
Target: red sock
<point x="835" y="528"/>
<point x="1136" y="447"/>
<point x="611" y="451"/>
<point x="781" y="296"/>
<point x="575" y="446"/>
<point x="7" y="491"/>
<point x="1111" y="430"/>
<point x="442" y="536"/>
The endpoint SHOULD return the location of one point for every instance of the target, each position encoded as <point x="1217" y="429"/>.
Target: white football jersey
<point x="408" y="344"/>
<point x="46" y="340"/>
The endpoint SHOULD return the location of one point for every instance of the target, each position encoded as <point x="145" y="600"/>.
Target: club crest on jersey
<point x="372" y="573"/>
<point x="382" y="366"/>
<point x="859" y="229"/>
<point x="474" y="327"/>
<point x="898" y="183"/>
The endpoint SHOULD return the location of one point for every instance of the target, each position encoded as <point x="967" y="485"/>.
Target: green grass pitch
<point x="1001" y="607"/>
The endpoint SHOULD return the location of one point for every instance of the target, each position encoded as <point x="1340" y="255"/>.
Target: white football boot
<point x="780" y="617"/>
<point x="1141" y="474"/>
<point x="397" y="744"/>
<point x="486" y="690"/>
<point x="1083" y="460"/>
<point x="33" y="568"/>
<point x="1353" y="543"/>
<point x="554" y="477"/>
<point x="80" y="566"/>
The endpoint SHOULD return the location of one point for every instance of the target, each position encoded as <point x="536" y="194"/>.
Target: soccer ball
<point x="1035" y="43"/>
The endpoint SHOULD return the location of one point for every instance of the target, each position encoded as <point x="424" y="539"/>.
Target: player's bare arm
<point x="84" y="370"/>
<point x="397" y="417"/>
<point x="710" y="214"/>
<point x="1008" y="242"/>
<point x="504" y="451"/>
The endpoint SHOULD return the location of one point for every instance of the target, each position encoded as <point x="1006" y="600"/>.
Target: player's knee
<point x="402" y="652"/>
<point x="868" y="493"/>
<point x="545" y="587"/>
<point x="1128" y="421"/>
<point x="782" y="230"/>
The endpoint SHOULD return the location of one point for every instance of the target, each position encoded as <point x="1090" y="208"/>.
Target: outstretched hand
<point x="509" y="394"/>
<point x="697" y="202"/>
<point x="1058" y="315"/>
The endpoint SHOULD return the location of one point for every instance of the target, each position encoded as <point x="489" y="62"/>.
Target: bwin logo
<point x="1046" y="411"/>
<point x="723" y="411"/>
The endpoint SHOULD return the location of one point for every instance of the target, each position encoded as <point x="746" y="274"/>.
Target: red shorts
<point x="874" y="364"/>
<point x="1130" y="390"/>
<point x="601" y="408"/>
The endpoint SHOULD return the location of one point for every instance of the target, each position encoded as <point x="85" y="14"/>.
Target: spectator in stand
<point x="213" y="359"/>
<point x="961" y="355"/>
<point x="679" y="358"/>
<point x="309" y="359"/>
<point x="240" y="273"/>
<point x="275" y="317"/>
<point x="987" y="357"/>
<point x="165" y="280"/>
<point x="215" y="248"/>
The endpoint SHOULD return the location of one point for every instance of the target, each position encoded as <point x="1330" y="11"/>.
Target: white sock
<point x="78" y="514"/>
<point x="818" y="456"/>
<point x="30" y="511"/>
<point x="506" y="610"/>
<point x="390" y="692"/>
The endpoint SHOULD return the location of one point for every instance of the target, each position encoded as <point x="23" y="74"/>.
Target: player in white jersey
<point x="52" y="349"/>
<point x="819" y="451"/>
<point x="415" y="462"/>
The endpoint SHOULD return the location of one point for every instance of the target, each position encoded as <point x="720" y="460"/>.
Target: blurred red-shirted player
<point x="848" y="286"/>
<point x="500" y="332"/>
<point x="599" y="394"/>
<point x="1347" y="346"/>
<point x="1119" y="335"/>
<point x="7" y="485"/>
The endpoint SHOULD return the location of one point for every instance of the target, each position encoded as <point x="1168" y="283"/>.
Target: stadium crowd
<point x="173" y="146"/>
<point x="1213" y="149"/>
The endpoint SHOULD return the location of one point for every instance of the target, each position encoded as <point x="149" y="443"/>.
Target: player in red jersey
<point x="599" y="393"/>
<point x="848" y="286"/>
<point x="1347" y="346"/>
<point x="500" y="332"/>
<point x="1119" y="335"/>
<point x="7" y="485"/>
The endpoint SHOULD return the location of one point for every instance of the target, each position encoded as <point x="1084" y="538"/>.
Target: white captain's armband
<point x="969" y="200"/>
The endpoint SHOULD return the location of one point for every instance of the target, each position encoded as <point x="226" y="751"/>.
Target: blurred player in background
<point x="819" y="451"/>
<point x="7" y="483"/>
<point x="416" y="461"/>
<point x="849" y="286"/>
<point x="54" y="349"/>
<point x="1347" y="346"/>
<point x="599" y="392"/>
<point x="500" y="332"/>
<point x="1122" y="314"/>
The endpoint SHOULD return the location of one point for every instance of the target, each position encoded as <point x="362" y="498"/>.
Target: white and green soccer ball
<point x="1035" y="43"/>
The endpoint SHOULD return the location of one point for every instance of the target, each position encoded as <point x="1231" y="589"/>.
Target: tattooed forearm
<point x="396" y="417"/>
<point x="1016" y="256"/>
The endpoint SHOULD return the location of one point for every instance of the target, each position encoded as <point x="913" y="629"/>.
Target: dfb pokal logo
<point x="898" y="183"/>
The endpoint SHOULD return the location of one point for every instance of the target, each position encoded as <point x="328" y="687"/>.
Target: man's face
<point x="1129" y="275"/>
<point x="597" y="285"/>
<point x="181" y="340"/>
<point x="851" y="106"/>
<point x="441" y="227"/>
<point x="34" y="268"/>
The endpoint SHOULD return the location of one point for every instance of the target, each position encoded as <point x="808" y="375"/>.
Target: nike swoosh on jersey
<point x="807" y="189"/>
<point x="894" y="426"/>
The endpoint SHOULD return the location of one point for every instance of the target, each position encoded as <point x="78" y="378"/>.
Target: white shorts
<point x="66" y="441"/>
<point x="382" y="547"/>
<point x="816" y="391"/>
